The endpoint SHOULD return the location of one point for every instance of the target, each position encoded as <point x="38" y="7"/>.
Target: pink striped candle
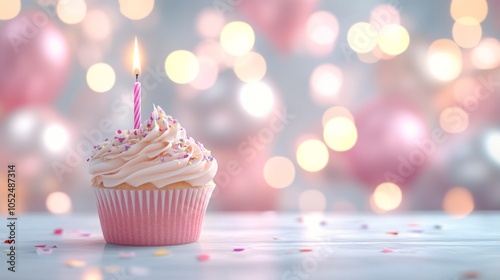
<point x="137" y="87"/>
<point x="137" y="104"/>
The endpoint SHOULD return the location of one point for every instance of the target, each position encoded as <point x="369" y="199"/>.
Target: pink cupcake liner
<point x="152" y="217"/>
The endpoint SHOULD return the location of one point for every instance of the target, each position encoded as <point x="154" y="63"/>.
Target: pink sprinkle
<point x="58" y="231"/>
<point x="40" y="246"/>
<point x="85" y="235"/>
<point x="393" y="232"/>
<point x="387" y="250"/>
<point x="121" y="139"/>
<point x="239" y="249"/>
<point x="43" y="251"/>
<point x="119" y="131"/>
<point x="203" y="257"/>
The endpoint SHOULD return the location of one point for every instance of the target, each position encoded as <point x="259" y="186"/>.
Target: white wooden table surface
<point x="276" y="246"/>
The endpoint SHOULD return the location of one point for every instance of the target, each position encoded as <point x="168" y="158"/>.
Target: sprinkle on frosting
<point x="159" y="152"/>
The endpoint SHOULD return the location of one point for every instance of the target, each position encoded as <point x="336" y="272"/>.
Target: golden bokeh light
<point x="444" y="60"/>
<point x="71" y="11"/>
<point x="209" y="23"/>
<point x="237" y="38"/>
<point x="257" y="99"/>
<point x="101" y="77"/>
<point x="279" y="172"/>
<point x="55" y="137"/>
<point x="182" y="66"/>
<point x="58" y="203"/>
<point x="136" y="9"/>
<point x="9" y="9"/>
<point x="387" y="196"/>
<point x="334" y="112"/>
<point x="486" y="55"/>
<point x="467" y="32"/>
<point x="21" y="124"/>
<point x="384" y="14"/>
<point x="340" y="134"/>
<point x="326" y="80"/>
<point x="208" y="74"/>
<point x="454" y="120"/>
<point x="312" y="201"/>
<point x="458" y="202"/>
<point x="491" y="145"/>
<point x="92" y="273"/>
<point x="97" y="25"/>
<point x="393" y="39"/>
<point x="250" y="67"/>
<point x="362" y="37"/>
<point x="312" y="155"/>
<point x="477" y="9"/>
<point x="322" y="29"/>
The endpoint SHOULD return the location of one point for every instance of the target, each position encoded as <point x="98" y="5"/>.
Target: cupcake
<point x="152" y="184"/>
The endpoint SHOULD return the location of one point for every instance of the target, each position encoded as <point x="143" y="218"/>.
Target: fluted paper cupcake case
<point x="152" y="217"/>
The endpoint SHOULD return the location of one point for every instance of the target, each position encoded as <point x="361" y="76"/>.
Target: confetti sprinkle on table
<point x="275" y="247"/>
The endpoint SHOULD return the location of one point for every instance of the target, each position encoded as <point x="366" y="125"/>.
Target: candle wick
<point x="136" y="77"/>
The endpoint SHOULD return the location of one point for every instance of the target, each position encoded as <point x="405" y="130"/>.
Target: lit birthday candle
<point x="137" y="87"/>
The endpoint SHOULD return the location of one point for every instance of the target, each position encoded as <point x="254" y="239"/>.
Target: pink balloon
<point x="35" y="61"/>
<point x="280" y="20"/>
<point x="392" y="143"/>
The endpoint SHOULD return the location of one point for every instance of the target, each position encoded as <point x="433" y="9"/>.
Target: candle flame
<point x="137" y="61"/>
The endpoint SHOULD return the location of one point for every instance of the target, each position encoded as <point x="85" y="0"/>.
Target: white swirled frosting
<point x="159" y="152"/>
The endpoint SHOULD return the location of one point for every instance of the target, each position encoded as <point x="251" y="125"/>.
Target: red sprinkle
<point x="239" y="249"/>
<point x="203" y="257"/>
<point x="471" y="275"/>
<point x="58" y="231"/>
<point x="40" y="246"/>
<point x="393" y="232"/>
<point x="8" y="241"/>
<point x="305" y="250"/>
<point x="387" y="250"/>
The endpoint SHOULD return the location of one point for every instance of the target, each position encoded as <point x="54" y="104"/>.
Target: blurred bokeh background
<point x="311" y="105"/>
